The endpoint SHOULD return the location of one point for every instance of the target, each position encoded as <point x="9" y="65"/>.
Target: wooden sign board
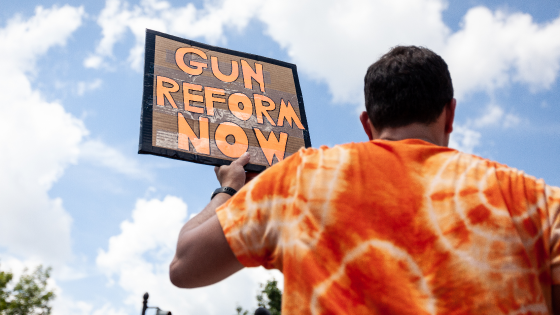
<point x="210" y="105"/>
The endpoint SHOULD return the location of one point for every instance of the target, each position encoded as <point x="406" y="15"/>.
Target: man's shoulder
<point x="325" y="152"/>
<point x="423" y="149"/>
<point x="336" y="149"/>
<point x="313" y="159"/>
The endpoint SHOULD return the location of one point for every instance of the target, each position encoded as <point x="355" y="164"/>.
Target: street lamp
<point x="145" y="307"/>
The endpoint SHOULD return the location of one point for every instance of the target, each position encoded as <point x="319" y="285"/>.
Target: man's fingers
<point x="233" y="175"/>
<point x="243" y="160"/>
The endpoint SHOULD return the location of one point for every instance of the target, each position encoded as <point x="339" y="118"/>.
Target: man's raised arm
<point x="203" y="255"/>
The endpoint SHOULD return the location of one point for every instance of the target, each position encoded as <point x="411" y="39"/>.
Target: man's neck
<point x="413" y="131"/>
<point x="437" y="132"/>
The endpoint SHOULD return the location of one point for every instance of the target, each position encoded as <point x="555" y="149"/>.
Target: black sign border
<point x="145" y="144"/>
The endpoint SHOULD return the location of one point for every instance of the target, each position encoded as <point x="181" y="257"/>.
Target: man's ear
<point x="364" y="118"/>
<point x="450" y="115"/>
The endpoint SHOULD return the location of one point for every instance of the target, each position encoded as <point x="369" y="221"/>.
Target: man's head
<point x="408" y="85"/>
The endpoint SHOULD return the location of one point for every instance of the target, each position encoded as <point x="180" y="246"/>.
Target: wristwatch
<point x="225" y="189"/>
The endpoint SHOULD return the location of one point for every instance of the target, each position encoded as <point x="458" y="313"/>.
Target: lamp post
<point x="145" y="307"/>
<point x="145" y="303"/>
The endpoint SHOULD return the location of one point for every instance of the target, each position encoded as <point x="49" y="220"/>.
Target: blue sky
<point x="76" y="196"/>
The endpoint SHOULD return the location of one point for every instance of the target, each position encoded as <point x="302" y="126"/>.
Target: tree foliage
<point x="270" y="298"/>
<point x="29" y="296"/>
<point x="240" y="311"/>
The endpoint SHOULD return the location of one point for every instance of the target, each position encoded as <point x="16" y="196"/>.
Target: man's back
<point x="399" y="227"/>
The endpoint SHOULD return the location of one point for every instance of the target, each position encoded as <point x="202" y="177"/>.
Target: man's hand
<point x="234" y="175"/>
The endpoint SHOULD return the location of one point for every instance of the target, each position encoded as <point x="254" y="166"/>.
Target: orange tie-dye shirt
<point x="402" y="227"/>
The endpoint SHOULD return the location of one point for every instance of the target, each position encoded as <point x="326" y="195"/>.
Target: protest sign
<point x="210" y="105"/>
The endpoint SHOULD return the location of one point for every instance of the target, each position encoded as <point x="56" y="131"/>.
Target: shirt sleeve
<point x="553" y="205"/>
<point x="252" y="218"/>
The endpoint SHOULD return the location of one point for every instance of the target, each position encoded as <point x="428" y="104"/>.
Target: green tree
<point x="29" y="296"/>
<point x="269" y="298"/>
<point x="240" y="311"/>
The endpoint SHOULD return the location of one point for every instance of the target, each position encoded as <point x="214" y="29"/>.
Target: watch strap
<point x="225" y="189"/>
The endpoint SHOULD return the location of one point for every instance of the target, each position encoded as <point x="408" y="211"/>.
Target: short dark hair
<point x="407" y="85"/>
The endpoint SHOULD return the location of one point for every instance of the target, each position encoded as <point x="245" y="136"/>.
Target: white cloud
<point x="84" y="86"/>
<point x="511" y="120"/>
<point x="464" y="139"/>
<point x="93" y="61"/>
<point x="17" y="266"/>
<point x="99" y="153"/>
<point x="118" y="17"/>
<point x="138" y="260"/>
<point x="493" y="49"/>
<point x="63" y="305"/>
<point x="40" y="139"/>
<point x="33" y="37"/>
<point x="335" y="41"/>
<point x="492" y="116"/>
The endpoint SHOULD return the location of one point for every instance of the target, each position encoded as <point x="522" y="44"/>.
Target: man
<point x="397" y="225"/>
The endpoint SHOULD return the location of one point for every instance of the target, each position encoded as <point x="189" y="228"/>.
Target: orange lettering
<point x="162" y="91"/>
<point x="240" y="145"/>
<point x="287" y="112"/>
<point x="249" y="73"/>
<point x="225" y="78"/>
<point x="198" y="66"/>
<point x="210" y="99"/>
<point x="233" y="103"/>
<point x="188" y="97"/>
<point x="201" y="144"/>
<point x="272" y="146"/>
<point x="260" y="109"/>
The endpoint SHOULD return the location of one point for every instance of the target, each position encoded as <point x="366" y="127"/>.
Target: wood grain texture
<point x="280" y="85"/>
